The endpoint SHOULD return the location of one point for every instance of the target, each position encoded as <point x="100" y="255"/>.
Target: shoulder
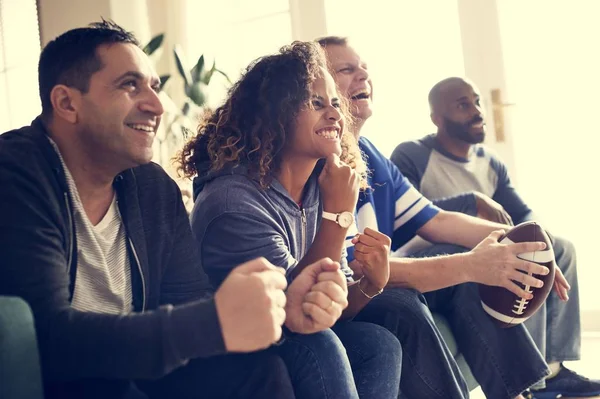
<point x="373" y="157"/>
<point x="368" y="148"/>
<point x="231" y="194"/>
<point x="153" y="183"/>
<point x="488" y="154"/>
<point x="28" y="164"/>
<point x="24" y="146"/>
<point x="413" y="149"/>
<point x="485" y="151"/>
<point x="382" y="171"/>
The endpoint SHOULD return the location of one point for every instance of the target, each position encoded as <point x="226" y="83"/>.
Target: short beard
<point x="460" y="131"/>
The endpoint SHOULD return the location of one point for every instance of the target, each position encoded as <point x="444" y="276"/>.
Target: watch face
<point x="345" y="219"/>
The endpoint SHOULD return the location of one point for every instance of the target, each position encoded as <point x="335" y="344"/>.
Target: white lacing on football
<point x="544" y="256"/>
<point x="502" y="317"/>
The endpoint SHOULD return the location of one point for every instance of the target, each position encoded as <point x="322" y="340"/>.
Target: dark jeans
<point x="259" y="375"/>
<point x="504" y="361"/>
<point x="350" y="361"/>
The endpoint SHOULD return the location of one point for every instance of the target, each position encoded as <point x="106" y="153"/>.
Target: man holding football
<point x="452" y="164"/>
<point x="505" y="362"/>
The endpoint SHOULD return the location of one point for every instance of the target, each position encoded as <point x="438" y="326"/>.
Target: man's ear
<point x="64" y="101"/>
<point x="436" y="119"/>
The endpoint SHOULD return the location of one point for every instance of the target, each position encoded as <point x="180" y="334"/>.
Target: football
<point x="506" y="308"/>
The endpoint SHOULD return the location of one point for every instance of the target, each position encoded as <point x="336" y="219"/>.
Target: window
<point x="19" y="53"/>
<point x="552" y="72"/>
<point x="237" y="33"/>
<point x="406" y="56"/>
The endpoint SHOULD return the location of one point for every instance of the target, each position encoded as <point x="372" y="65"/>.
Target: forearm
<point x="357" y="300"/>
<point x="458" y="229"/>
<point x="328" y="243"/>
<point x="75" y="345"/>
<point x="429" y="274"/>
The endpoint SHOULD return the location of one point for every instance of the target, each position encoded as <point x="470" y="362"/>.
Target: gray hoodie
<point x="235" y="220"/>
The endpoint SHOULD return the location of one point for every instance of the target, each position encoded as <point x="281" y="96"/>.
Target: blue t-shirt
<point x="391" y="205"/>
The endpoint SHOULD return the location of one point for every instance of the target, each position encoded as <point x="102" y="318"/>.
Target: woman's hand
<point x="372" y="250"/>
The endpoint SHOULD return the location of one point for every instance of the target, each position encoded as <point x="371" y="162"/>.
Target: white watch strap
<point x="331" y="216"/>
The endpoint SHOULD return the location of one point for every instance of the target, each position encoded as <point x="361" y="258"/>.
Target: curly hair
<point x="253" y="125"/>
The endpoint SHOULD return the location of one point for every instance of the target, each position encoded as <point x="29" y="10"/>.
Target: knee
<point x="405" y="304"/>
<point x="273" y="362"/>
<point x="563" y="245"/>
<point x="386" y="346"/>
<point x="402" y="311"/>
<point x="564" y="251"/>
<point x="370" y="341"/>
<point x="312" y="345"/>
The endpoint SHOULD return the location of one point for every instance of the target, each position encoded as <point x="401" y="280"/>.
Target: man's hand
<point x="316" y="298"/>
<point x="489" y="209"/>
<point x="561" y="285"/>
<point x="339" y="185"/>
<point x="371" y="250"/>
<point x="496" y="264"/>
<point x="251" y="306"/>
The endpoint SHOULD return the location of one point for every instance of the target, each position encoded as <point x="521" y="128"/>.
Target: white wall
<point x="19" y="50"/>
<point x="57" y="16"/>
<point x="484" y="64"/>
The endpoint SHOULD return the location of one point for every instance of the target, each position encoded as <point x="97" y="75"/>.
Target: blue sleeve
<point x="412" y="209"/>
<point x="411" y="159"/>
<point x="507" y="196"/>
<point x="226" y="244"/>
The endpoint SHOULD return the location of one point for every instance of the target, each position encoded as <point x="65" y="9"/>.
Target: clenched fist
<point x="339" y="185"/>
<point x="251" y="306"/>
<point x="371" y="250"/>
<point x="316" y="298"/>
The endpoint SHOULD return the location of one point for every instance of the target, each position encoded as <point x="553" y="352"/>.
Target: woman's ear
<point x="64" y="102"/>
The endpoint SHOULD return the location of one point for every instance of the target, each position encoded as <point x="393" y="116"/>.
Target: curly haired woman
<point x="278" y="177"/>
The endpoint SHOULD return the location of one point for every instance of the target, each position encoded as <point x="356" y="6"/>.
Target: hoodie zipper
<point x="73" y="238"/>
<point x="139" y="266"/>
<point x="303" y="234"/>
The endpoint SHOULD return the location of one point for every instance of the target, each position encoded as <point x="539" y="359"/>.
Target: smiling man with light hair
<point x="504" y="361"/>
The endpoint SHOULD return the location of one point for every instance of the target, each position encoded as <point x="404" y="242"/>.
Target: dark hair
<point x="253" y="125"/>
<point x="332" y="40"/>
<point x="71" y="58"/>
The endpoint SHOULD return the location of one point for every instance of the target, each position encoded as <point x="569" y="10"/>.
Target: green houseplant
<point x="178" y="120"/>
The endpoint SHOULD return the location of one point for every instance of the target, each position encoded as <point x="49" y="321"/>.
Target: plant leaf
<point x="198" y="69"/>
<point x="163" y="80"/>
<point x="224" y="74"/>
<point x="154" y="44"/>
<point x="181" y="65"/>
<point x="206" y="79"/>
<point x="185" y="109"/>
<point x="197" y="93"/>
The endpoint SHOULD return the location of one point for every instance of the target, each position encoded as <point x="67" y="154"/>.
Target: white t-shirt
<point x="103" y="277"/>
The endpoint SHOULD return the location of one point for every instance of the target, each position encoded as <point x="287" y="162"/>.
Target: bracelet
<point x="365" y="294"/>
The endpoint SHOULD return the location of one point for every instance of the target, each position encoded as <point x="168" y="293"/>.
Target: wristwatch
<point x="344" y="219"/>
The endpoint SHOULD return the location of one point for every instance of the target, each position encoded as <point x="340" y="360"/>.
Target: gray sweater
<point x="235" y="220"/>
